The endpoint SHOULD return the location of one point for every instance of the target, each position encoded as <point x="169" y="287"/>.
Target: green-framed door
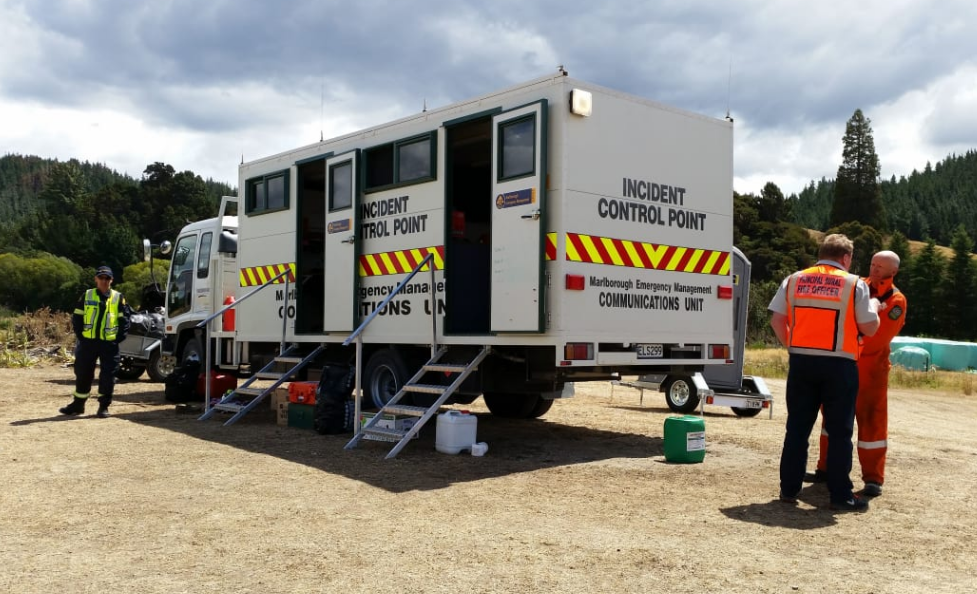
<point x="518" y="185"/>
<point x="341" y="243"/>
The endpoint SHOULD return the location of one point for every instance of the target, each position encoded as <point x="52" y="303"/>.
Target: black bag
<point x="182" y="383"/>
<point x="333" y="406"/>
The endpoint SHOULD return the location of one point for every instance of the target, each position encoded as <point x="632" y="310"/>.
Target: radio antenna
<point x="729" y="84"/>
<point x="322" y="102"/>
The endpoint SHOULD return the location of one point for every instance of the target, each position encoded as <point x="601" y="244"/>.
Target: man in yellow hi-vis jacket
<point x="100" y="322"/>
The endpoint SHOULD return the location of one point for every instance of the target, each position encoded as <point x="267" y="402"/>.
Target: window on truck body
<point x="341" y="186"/>
<point x="400" y="163"/>
<point x="267" y="193"/>
<point x="517" y="148"/>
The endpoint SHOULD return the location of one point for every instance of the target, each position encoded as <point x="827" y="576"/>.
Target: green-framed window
<point x="517" y="148"/>
<point x="409" y="161"/>
<point x="268" y="193"/>
<point x="341" y="186"/>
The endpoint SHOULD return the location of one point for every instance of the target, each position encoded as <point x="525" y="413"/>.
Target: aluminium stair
<point x="423" y="414"/>
<point x="246" y="397"/>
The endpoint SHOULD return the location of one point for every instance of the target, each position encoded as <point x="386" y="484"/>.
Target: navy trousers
<point x="829" y="384"/>
<point x="107" y="356"/>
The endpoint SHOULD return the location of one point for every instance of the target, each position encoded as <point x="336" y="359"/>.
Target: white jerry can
<point x="456" y="432"/>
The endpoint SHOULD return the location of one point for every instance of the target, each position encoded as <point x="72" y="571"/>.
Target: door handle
<point x="350" y="240"/>
<point x="534" y="215"/>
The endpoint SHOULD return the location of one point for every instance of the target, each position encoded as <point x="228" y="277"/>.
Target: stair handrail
<point x="287" y="273"/>
<point x="357" y="334"/>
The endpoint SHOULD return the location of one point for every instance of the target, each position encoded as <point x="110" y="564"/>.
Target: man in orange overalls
<point x="871" y="406"/>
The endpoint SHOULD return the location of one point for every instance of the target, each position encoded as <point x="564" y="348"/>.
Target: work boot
<point x="103" y="407"/>
<point x="76" y="407"/>
<point x="872" y="489"/>
<point x="852" y="504"/>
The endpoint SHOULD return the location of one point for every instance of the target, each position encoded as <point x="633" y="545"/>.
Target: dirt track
<point x="580" y="501"/>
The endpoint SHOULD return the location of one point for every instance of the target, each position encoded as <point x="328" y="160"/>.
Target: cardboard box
<point x="278" y="396"/>
<point x="302" y="392"/>
<point x="301" y="416"/>
<point x="399" y="423"/>
<point x="281" y="413"/>
<point x="313" y="374"/>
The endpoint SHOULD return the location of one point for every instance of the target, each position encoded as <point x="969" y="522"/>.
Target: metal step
<point x="446" y="367"/>
<point x="250" y="391"/>
<point x="424" y="388"/>
<point x="404" y="409"/>
<point x="385" y="434"/>
<point x="228" y="407"/>
<point x="269" y="375"/>
<point x="288" y="360"/>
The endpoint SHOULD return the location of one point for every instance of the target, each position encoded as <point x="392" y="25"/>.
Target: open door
<point x="518" y="185"/>
<point x="341" y="245"/>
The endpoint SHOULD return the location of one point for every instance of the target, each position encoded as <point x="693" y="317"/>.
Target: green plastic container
<point x="685" y="439"/>
<point x="301" y="416"/>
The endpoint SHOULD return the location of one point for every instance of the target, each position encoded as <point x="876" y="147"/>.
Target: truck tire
<point x="681" y="394"/>
<point x="192" y="348"/>
<point x="512" y="406"/>
<point x="128" y="370"/>
<point x="158" y="366"/>
<point x="746" y="412"/>
<point x="384" y="375"/>
<point x="542" y="406"/>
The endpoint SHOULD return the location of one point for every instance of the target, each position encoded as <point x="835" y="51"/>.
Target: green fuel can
<point x="685" y="439"/>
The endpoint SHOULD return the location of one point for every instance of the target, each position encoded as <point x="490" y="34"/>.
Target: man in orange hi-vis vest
<point x="871" y="407"/>
<point x="818" y="314"/>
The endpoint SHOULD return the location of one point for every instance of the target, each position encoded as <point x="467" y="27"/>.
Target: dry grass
<point x="28" y="339"/>
<point x="772" y="363"/>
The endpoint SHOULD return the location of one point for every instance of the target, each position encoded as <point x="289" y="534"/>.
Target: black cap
<point x="104" y="271"/>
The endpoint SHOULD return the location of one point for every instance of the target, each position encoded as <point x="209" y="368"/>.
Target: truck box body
<point x="548" y="228"/>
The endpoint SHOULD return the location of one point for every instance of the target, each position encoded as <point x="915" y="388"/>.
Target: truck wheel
<point x="680" y="394"/>
<point x="542" y="406"/>
<point x="158" y="366"/>
<point x="512" y="406"/>
<point x="191" y="349"/>
<point x="128" y="370"/>
<point x="384" y="375"/>
<point x="746" y="412"/>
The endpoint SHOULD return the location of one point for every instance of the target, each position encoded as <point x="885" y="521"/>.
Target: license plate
<point x="650" y="351"/>
<point x="752" y="403"/>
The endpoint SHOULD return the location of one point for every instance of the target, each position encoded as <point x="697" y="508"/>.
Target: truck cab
<point x="202" y="269"/>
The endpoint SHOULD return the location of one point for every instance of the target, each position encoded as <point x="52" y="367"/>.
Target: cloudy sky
<point x="197" y="84"/>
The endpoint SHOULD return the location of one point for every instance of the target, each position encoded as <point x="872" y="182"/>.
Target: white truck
<point x="575" y="234"/>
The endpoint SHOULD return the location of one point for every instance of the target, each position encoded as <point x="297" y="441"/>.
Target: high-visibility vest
<point x="109" y="329"/>
<point x="821" y="313"/>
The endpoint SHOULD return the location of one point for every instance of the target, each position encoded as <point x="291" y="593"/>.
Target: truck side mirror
<point x="147" y="250"/>
<point x="166" y="247"/>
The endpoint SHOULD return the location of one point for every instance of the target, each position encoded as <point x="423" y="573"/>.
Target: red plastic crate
<point x="302" y="392"/>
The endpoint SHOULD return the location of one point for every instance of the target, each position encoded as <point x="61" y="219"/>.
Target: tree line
<point x="61" y="220"/>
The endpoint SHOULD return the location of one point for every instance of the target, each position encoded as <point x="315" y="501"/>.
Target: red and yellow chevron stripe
<point x="636" y="254"/>
<point x="550" y="246"/>
<point x="399" y="261"/>
<point x="253" y="276"/>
